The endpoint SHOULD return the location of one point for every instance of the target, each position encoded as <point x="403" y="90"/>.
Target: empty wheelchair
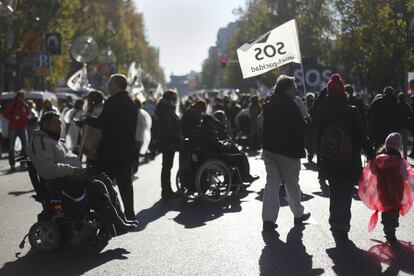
<point x="210" y="179"/>
<point x="57" y="224"/>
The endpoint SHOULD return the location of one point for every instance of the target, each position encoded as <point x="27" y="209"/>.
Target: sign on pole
<point x="53" y="42"/>
<point x="42" y="62"/>
<point x="32" y="43"/>
<point x="79" y="79"/>
<point x="314" y="77"/>
<point x="270" y="50"/>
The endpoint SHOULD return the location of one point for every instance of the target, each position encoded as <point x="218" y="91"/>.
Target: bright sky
<point x="184" y="30"/>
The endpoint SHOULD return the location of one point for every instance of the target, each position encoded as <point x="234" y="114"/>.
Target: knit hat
<point x="393" y="141"/>
<point x="336" y="86"/>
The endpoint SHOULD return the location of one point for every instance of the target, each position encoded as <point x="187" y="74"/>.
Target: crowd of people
<point x="333" y="124"/>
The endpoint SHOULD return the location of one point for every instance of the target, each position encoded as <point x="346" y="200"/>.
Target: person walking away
<point x="340" y="136"/>
<point x="283" y="146"/>
<point x="46" y="107"/>
<point x="34" y="117"/>
<point x="118" y="122"/>
<point x="405" y="117"/>
<point x="386" y="186"/>
<point x="310" y="133"/>
<point x="90" y="135"/>
<point x="233" y="110"/>
<point x="18" y="115"/>
<point x="255" y="108"/>
<point x="315" y="113"/>
<point x="71" y="119"/>
<point x="68" y="105"/>
<point x="142" y="134"/>
<point x="383" y="116"/>
<point x="149" y="107"/>
<point x="357" y="102"/>
<point x="169" y="135"/>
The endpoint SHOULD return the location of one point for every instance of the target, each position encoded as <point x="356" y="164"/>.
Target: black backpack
<point x="336" y="145"/>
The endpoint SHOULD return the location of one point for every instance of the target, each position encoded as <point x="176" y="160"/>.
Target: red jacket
<point x="387" y="183"/>
<point x="17" y="114"/>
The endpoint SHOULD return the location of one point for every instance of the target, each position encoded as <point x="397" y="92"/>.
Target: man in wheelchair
<point x="210" y="139"/>
<point x="62" y="172"/>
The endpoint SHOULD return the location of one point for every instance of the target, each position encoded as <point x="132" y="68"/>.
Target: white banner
<point x="270" y="50"/>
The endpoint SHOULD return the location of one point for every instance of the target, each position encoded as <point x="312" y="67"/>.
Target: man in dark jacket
<point x="383" y="116"/>
<point x="169" y="135"/>
<point x="404" y="118"/>
<point x="118" y="121"/>
<point x="283" y="146"/>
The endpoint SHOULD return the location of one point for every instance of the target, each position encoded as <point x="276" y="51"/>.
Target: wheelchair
<point x="210" y="179"/>
<point x="55" y="225"/>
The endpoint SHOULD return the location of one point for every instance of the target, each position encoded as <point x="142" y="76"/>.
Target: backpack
<point x="336" y="144"/>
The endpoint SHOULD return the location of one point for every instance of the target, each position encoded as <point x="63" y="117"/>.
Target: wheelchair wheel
<point x="95" y="243"/>
<point x="44" y="236"/>
<point x="213" y="181"/>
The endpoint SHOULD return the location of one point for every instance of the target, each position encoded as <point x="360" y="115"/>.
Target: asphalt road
<point x="180" y="237"/>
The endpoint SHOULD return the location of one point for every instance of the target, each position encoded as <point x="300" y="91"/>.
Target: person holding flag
<point x="283" y="146"/>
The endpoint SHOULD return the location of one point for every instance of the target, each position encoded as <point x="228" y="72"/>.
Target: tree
<point x="116" y="26"/>
<point x="371" y="42"/>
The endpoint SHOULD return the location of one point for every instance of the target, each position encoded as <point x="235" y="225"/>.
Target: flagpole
<point x="304" y="78"/>
<point x="301" y="64"/>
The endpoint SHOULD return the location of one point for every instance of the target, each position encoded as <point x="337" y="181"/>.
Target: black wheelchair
<point x="57" y="224"/>
<point x="210" y="179"/>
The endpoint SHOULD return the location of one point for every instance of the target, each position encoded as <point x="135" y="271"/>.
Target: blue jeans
<point x="13" y="134"/>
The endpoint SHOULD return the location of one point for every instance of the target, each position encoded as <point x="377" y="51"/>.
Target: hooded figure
<point x="387" y="185"/>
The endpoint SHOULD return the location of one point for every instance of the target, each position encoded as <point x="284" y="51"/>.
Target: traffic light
<point x="223" y="62"/>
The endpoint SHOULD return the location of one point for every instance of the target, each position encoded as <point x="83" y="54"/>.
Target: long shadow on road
<point x="65" y="261"/>
<point x="290" y="258"/>
<point x="192" y="213"/>
<point x="351" y="260"/>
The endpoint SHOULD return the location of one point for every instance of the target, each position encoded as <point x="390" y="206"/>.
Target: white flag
<point x="132" y="73"/>
<point x="79" y="79"/>
<point x="270" y="50"/>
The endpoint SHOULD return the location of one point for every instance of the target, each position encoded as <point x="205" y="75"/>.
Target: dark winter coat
<point x="404" y="115"/>
<point x="383" y="118"/>
<point x="118" y="122"/>
<point x="283" y="127"/>
<point x="340" y="113"/>
<point x="191" y="119"/>
<point x="169" y="130"/>
<point x="206" y="142"/>
<point x="359" y="104"/>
